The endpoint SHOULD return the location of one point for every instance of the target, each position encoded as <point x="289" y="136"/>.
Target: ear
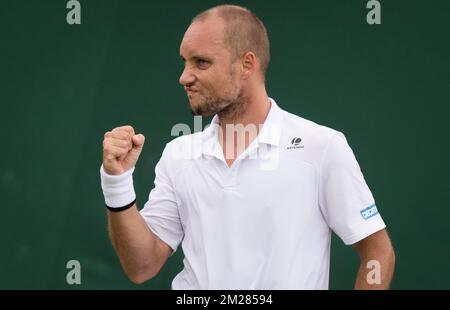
<point x="249" y="63"/>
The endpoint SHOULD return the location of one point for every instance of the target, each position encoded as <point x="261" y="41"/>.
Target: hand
<point x="121" y="149"/>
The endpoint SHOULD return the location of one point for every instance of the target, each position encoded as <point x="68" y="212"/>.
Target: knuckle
<point x="120" y="135"/>
<point x="117" y="129"/>
<point x="108" y="148"/>
<point x="126" y="128"/>
<point x="130" y="130"/>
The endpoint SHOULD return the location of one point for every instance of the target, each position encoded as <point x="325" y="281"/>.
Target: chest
<point x="210" y="187"/>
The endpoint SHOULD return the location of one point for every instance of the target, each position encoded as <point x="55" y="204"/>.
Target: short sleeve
<point x="345" y="199"/>
<point x="160" y="212"/>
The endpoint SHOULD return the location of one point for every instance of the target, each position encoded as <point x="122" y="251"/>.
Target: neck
<point x="241" y="125"/>
<point x="252" y="109"/>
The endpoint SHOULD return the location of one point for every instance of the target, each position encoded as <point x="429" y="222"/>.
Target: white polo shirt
<point x="265" y="222"/>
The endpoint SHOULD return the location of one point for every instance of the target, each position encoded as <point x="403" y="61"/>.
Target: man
<point x="253" y="209"/>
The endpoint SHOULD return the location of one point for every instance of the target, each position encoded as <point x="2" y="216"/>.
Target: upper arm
<point x="345" y="199"/>
<point x="163" y="253"/>
<point x="374" y="245"/>
<point x="164" y="250"/>
<point x="161" y="212"/>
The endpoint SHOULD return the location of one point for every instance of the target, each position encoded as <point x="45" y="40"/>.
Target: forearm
<point x="376" y="271"/>
<point x="134" y="243"/>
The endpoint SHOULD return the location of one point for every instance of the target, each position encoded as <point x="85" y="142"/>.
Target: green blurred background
<point x="62" y="86"/>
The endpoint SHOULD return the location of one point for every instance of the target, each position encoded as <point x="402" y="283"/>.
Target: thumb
<point x="138" y="144"/>
<point x="133" y="155"/>
<point x="138" y="141"/>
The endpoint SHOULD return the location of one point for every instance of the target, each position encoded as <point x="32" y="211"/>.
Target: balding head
<point x="244" y="32"/>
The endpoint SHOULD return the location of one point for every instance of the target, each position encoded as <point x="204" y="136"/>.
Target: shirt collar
<point x="269" y="134"/>
<point x="271" y="131"/>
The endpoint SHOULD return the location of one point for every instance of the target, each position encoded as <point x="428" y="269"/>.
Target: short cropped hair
<point x="244" y="32"/>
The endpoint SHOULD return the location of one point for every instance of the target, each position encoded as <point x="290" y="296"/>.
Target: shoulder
<point x="185" y="142"/>
<point x="313" y="135"/>
<point x="323" y="147"/>
<point x="182" y="150"/>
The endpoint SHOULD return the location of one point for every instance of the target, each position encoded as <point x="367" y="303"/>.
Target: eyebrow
<point x="197" y="57"/>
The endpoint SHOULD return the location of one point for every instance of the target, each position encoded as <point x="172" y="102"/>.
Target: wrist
<point x="118" y="190"/>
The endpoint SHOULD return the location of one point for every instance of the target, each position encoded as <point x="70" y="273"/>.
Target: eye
<point x="201" y="63"/>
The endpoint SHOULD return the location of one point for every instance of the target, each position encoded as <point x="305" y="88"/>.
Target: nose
<point x="187" y="78"/>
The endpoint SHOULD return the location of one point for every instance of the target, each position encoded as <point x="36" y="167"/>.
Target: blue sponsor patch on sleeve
<point x="368" y="212"/>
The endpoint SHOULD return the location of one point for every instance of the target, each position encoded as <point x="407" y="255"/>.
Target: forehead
<point x="203" y="37"/>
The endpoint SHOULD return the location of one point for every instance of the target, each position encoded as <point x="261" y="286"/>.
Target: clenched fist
<point x="121" y="149"/>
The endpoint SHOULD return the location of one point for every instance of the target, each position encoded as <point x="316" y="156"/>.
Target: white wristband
<point x="117" y="189"/>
